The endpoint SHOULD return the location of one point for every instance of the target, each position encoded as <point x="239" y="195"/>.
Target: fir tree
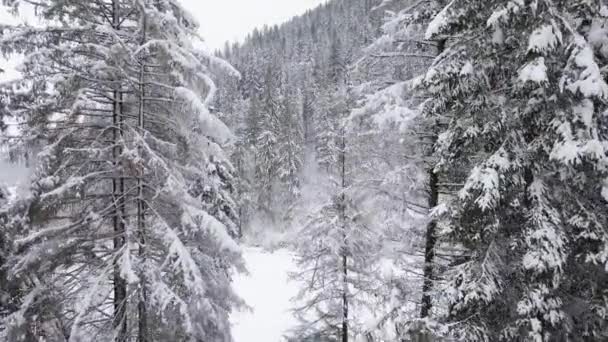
<point x="524" y="95"/>
<point x="115" y="240"/>
<point x="290" y="149"/>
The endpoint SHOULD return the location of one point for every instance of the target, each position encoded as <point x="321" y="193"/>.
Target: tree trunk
<point x="431" y="237"/>
<point x="345" y="299"/>
<point x="142" y="335"/>
<point x="345" y="306"/>
<point x="429" y="253"/>
<point x="118" y="187"/>
<point x="240" y="236"/>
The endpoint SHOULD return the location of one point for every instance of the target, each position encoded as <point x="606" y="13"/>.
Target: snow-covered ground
<point x="268" y="291"/>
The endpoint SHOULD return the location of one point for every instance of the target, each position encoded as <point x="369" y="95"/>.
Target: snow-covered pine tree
<point x="275" y="127"/>
<point x="233" y="109"/>
<point x="298" y="57"/>
<point x="336" y="251"/>
<point x="264" y="131"/>
<point x="217" y="191"/>
<point x="290" y="146"/>
<point x="391" y="184"/>
<point x="266" y="171"/>
<point x="331" y="108"/>
<point x="336" y="246"/>
<point x="116" y="243"/>
<point x="326" y="124"/>
<point x="308" y="104"/>
<point x="397" y="166"/>
<point x="241" y="159"/>
<point x="253" y="121"/>
<point x="7" y="296"/>
<point x="241" y="156"/>
<point x="524" y="95"/>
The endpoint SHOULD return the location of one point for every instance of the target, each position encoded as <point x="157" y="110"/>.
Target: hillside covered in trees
<point x="438" y="168"/>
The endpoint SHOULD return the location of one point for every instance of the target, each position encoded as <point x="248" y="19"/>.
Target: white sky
<point x="230" y="20"/>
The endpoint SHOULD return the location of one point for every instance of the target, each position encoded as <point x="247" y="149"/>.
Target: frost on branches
<point x="118" y="238"/>
<point x="528" y="123"/>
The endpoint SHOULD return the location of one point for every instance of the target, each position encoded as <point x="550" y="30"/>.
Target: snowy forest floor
<point x="268" y="291"/>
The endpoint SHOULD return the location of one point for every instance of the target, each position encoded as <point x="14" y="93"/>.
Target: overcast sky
<point x="223" y="20"/>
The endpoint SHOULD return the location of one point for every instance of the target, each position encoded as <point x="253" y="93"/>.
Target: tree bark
<point x="118" y="188"/>
<point x="345" y="306"/>
<point x="142" y="335"/>
<point x="429" y="253"/>
<point x="345" y="299"/>
<point x="431" y="236"/>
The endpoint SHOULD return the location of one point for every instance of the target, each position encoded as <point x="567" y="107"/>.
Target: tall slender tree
<point x="401" y="171"/>
<point x="337" y="248"/>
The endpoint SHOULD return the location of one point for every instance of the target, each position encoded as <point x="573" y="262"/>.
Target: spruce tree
<point x="522" y="90"/>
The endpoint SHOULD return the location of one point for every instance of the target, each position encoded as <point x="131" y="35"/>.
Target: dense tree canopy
<point x="439" y="168"/>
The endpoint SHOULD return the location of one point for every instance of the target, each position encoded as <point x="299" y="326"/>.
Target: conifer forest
<point x="434" y="170"/>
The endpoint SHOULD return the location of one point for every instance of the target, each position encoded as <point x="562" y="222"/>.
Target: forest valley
<point x="438" y="168"/>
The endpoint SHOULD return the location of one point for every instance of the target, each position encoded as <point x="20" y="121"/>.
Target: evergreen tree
<point x="7" y="295"/>
<point x="115" y="240"/>
<point x="524" y="94"/>
<point x="336" y="255"/>
<point x="290" y="149"/>
<point x="241" y="159"/>
<point x="286" y="79"/>
<point x="398" y="176"/>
